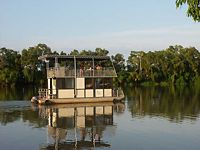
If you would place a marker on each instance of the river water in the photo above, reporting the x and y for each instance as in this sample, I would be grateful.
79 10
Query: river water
150 118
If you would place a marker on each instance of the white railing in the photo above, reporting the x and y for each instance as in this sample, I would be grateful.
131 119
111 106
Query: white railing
118 92
64 72
47 93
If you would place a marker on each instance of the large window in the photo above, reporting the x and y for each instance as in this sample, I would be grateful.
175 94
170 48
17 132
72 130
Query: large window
103 83
89 83
65 83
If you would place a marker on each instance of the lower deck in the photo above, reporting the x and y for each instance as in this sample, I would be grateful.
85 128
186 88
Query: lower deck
76 100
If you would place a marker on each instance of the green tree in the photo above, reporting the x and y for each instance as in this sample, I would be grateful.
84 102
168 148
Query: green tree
10 66
33 69
193 9
119 62
74 52
101 52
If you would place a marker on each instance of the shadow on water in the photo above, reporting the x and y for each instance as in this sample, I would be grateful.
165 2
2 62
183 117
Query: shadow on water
175 103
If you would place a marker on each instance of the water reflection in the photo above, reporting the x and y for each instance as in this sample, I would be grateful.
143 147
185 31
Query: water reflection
13 111
17 93
151 115
165 102
79 126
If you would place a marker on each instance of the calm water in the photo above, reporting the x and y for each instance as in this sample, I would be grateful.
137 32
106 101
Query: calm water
149 119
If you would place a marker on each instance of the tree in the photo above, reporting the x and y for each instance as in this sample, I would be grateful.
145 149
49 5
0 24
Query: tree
119 62
193 8
101 52
74 52
62 53
33 69
10 66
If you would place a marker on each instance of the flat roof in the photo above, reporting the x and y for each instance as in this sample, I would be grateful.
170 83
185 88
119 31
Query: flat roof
79 57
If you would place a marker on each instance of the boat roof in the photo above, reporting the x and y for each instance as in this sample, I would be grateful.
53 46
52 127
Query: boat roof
78 57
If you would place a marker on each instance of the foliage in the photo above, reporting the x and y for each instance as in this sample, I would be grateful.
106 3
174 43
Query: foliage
175 65
33 69
193 8
10 66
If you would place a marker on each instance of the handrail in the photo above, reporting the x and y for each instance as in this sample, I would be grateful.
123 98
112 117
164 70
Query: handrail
64 72
118 92
45 93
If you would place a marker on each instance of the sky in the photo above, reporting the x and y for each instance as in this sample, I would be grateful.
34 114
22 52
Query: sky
119 26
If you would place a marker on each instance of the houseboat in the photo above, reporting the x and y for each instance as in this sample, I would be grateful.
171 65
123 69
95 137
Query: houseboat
78 79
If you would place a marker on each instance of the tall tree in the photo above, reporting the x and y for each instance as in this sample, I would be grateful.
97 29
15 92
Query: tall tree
33 69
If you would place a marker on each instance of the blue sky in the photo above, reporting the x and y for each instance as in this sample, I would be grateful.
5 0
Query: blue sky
116 25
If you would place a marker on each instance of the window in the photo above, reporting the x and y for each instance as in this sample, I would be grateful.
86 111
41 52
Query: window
89 83
99 83
108 83
65 83
103 83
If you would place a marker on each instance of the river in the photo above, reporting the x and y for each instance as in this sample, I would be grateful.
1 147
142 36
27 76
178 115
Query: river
150 118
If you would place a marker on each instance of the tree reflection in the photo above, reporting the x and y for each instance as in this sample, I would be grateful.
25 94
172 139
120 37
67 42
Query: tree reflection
9 115
17 93
174 103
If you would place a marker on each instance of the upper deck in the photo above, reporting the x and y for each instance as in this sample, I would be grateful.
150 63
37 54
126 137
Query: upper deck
63 66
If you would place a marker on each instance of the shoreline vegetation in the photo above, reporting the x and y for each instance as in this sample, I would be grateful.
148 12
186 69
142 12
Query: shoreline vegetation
175 65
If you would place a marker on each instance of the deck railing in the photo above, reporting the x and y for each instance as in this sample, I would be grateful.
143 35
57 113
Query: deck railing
62 72
47 93
118 92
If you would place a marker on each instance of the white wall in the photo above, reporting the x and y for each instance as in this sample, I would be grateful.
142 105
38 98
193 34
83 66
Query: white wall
89 93
99 92
63 93
108 92
80 93
80 83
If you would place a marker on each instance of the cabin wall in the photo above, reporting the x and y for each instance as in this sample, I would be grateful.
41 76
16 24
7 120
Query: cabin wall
66 93
80 93
107 92
99 92
89 93
80 87
80 83
54 86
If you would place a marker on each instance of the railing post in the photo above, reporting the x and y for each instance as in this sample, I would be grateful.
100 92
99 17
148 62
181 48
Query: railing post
75 76
93 65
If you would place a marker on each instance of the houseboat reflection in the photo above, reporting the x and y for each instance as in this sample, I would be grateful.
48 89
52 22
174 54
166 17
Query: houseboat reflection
78 125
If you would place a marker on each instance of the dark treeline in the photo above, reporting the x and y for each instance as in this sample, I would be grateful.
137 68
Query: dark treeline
175 65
